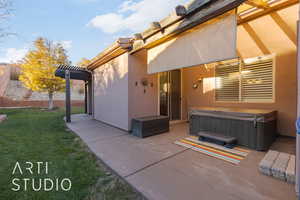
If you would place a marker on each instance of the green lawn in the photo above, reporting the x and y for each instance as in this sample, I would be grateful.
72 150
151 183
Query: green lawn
35 135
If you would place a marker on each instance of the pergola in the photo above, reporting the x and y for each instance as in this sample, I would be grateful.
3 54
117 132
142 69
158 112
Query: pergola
76 73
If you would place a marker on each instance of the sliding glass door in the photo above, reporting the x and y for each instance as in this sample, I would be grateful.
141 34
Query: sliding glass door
170 94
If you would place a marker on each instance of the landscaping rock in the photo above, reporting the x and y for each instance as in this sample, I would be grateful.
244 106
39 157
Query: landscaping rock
2 118
280 165
267 162
290 170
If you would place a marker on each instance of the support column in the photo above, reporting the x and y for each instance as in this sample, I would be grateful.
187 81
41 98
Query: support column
85 98
90 97
68 96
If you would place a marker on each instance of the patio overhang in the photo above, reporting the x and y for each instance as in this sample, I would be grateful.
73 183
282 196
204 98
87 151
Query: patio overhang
76 73
68 72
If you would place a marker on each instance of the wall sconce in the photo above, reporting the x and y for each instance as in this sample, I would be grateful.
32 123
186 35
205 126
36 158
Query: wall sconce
196 83
144 82
195 86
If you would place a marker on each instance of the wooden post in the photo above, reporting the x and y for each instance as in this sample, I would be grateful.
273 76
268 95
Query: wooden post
90 97
68 96
85 97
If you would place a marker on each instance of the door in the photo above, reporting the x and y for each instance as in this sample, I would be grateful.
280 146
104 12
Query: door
170 94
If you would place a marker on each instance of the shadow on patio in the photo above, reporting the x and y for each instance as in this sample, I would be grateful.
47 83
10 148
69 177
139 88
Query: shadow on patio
161 170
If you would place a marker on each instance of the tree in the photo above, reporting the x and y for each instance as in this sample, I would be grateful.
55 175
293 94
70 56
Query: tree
39 65
84 62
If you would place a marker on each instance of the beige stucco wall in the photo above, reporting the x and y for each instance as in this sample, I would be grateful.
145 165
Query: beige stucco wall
285 100
143 100
118 99
111 92
276 42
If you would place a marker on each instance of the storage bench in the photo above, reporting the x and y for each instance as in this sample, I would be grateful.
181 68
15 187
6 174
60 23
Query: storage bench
148 126
253 128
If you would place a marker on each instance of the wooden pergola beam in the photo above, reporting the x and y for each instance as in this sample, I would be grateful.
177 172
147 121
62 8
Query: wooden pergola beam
284 27
257 3
267 11
256 39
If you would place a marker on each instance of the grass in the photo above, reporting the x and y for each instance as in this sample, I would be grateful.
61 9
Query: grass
35 135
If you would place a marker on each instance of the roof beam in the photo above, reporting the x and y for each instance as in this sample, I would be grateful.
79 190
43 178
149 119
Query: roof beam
269 10
256 39
257 3
284 27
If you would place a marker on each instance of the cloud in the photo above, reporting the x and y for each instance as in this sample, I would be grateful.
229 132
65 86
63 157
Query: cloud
134 16
13 55
67 44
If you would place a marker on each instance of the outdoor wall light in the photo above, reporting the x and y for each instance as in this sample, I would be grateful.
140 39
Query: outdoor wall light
144 82
195 86
196 83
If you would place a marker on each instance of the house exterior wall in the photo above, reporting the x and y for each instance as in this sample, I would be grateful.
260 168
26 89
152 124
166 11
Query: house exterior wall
111 92
275 41
143 100
118 99
285 93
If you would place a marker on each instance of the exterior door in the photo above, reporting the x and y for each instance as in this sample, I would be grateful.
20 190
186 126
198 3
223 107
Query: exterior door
170 94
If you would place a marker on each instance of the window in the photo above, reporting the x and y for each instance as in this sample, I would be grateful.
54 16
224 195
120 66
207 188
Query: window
249 81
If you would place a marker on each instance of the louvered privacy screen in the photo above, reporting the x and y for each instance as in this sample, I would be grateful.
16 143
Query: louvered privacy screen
251 81
228 82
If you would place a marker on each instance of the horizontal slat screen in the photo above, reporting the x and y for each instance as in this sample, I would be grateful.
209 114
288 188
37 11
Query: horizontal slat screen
257 81
246 82
227 82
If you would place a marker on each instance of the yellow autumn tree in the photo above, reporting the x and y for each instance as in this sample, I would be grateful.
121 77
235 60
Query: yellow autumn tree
39 65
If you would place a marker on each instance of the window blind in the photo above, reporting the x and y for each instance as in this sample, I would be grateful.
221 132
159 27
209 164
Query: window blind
227 82
248 81
257 81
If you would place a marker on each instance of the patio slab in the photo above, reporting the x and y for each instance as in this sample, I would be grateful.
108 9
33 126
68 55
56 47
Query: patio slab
91 130
161 170
128 154
191 174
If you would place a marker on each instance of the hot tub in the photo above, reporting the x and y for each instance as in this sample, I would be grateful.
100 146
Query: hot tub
253 128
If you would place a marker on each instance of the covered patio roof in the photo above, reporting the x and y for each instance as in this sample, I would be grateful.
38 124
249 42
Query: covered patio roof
77 73
196 13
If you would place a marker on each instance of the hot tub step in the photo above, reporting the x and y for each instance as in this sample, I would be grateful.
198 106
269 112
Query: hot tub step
216 138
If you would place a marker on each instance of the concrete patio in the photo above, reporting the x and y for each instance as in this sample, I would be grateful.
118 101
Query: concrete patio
161 170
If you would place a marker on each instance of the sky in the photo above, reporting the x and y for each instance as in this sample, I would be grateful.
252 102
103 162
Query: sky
84 27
